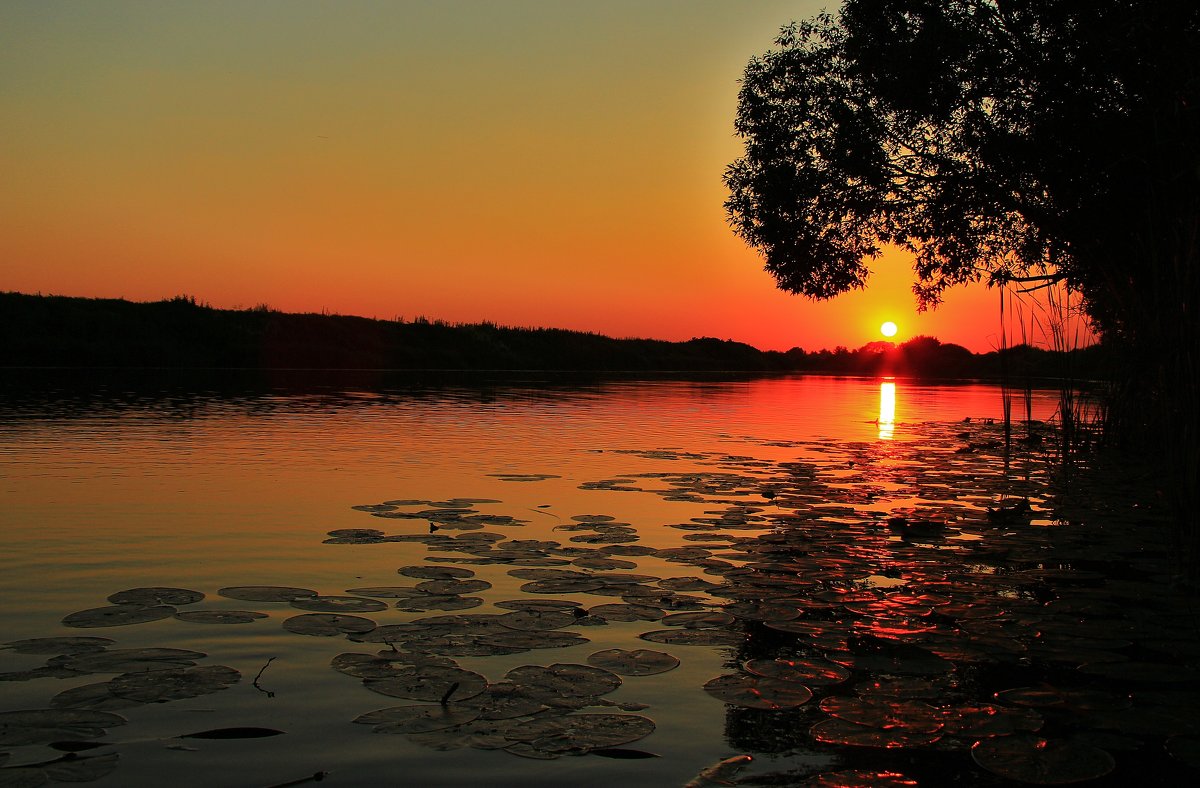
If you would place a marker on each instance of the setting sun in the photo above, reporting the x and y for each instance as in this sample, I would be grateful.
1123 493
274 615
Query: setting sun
888 329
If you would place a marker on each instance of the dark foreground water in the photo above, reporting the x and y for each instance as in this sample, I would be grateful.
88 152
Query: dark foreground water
555 583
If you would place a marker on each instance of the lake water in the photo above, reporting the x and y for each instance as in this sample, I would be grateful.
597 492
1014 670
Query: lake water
187 484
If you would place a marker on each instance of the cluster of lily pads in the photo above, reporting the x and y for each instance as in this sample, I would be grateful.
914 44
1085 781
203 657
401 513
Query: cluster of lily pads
964 630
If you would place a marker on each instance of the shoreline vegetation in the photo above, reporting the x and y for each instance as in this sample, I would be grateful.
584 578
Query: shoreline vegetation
182 333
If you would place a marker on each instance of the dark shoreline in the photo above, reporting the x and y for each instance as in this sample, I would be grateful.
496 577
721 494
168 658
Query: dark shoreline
58 332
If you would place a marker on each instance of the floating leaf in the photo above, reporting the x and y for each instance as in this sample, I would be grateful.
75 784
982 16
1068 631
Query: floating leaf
530 640
694 637
626 612
757 692
266 593
1032 759
59 645
575 732
387 592
638 662
430 683
22 777
117 616
219 616
418 719
91 696
155 595
453 586
37 726
130 660
439 602
698 620
908 715
860 778
990 720
813 672
435 572
479 734
567 680
327 624
838 731
160 686
339 604
81 769
538 604
537 621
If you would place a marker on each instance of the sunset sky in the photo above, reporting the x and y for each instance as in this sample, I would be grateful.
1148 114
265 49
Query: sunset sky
527 162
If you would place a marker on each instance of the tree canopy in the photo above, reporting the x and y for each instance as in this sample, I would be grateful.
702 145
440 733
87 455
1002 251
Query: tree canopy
1004 140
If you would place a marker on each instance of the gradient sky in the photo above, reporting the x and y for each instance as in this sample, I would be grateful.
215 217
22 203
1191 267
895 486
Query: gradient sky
529 162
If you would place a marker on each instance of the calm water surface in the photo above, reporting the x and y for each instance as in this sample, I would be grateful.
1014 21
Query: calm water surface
198 488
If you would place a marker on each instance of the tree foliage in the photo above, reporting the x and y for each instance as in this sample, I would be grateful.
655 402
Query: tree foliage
993 139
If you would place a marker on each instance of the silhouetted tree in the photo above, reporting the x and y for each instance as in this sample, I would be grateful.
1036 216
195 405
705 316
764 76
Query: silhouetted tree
1028 141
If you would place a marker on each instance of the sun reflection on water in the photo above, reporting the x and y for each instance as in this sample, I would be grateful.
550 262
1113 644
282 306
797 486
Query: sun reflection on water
887 410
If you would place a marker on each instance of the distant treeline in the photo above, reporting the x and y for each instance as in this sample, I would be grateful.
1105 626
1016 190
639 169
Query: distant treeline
58 331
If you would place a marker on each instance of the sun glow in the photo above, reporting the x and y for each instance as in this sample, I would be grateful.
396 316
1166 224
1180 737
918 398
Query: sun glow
887 410
888 329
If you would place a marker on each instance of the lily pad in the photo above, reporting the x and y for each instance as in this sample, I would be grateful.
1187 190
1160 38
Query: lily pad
339 604
699 620
117 616
160 686
1032 759
130 660
59 645
757 692
638 662
38 726
82 769
860 778
844 732
266 593
530 640
441 684
435 572
439 602
566 680
327 624
813 672
219 616
92 696
156 595
694 637
582 732
418 719
908 715
538 604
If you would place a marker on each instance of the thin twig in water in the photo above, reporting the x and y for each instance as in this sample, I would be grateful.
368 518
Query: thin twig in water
446 698
261 670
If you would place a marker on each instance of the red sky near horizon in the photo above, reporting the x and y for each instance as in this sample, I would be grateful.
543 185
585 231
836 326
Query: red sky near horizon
531 163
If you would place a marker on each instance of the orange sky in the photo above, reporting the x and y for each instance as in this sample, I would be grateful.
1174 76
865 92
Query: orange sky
541 163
